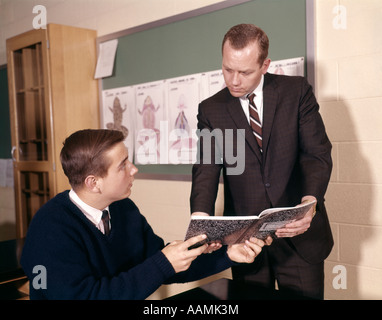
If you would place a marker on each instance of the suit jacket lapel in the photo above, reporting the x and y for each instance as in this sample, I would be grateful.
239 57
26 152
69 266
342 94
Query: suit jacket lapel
236 112
270 97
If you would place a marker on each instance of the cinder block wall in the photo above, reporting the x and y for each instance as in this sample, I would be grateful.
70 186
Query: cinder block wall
349 90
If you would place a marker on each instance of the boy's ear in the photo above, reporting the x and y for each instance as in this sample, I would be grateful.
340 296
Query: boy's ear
91 183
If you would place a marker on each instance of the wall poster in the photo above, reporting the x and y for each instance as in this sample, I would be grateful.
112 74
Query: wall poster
159 119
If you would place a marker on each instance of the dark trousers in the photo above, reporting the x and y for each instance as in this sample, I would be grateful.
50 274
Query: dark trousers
280 262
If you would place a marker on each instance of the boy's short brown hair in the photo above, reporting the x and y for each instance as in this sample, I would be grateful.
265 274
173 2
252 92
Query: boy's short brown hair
83 154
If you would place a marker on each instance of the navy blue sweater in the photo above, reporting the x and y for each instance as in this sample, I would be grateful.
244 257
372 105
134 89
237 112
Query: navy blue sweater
82 263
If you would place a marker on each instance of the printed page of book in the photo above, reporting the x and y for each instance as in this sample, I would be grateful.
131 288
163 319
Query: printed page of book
237 229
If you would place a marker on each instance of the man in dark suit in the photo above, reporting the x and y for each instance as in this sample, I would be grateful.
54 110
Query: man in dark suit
287 161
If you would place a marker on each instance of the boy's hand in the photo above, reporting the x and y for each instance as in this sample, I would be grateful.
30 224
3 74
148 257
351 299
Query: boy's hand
180 256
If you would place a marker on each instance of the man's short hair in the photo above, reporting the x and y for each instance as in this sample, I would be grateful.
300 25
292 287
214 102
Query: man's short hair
241 35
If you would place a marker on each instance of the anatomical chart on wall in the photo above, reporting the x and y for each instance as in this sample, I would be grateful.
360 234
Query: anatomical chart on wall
119 112
215 82
183 101
289 67
150 112
159 118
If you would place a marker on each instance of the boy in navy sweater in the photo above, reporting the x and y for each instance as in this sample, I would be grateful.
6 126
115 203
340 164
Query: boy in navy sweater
88 254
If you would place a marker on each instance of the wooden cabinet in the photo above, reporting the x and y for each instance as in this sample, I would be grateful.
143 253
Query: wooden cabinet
52 93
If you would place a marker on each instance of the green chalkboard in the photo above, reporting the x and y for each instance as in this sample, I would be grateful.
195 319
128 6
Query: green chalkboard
193 45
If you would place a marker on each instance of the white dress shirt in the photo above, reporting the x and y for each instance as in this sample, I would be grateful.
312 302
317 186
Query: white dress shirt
93 214
258 101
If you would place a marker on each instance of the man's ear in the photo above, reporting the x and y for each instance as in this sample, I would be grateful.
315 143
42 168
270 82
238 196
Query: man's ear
265 66
91 183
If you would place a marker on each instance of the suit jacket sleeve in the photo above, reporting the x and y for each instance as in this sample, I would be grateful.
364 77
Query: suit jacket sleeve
315 148
206 171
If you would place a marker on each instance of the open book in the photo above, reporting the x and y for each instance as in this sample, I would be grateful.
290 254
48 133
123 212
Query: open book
236 229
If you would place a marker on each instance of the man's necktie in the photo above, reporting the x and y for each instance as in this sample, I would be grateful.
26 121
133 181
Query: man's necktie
254 120
106 221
